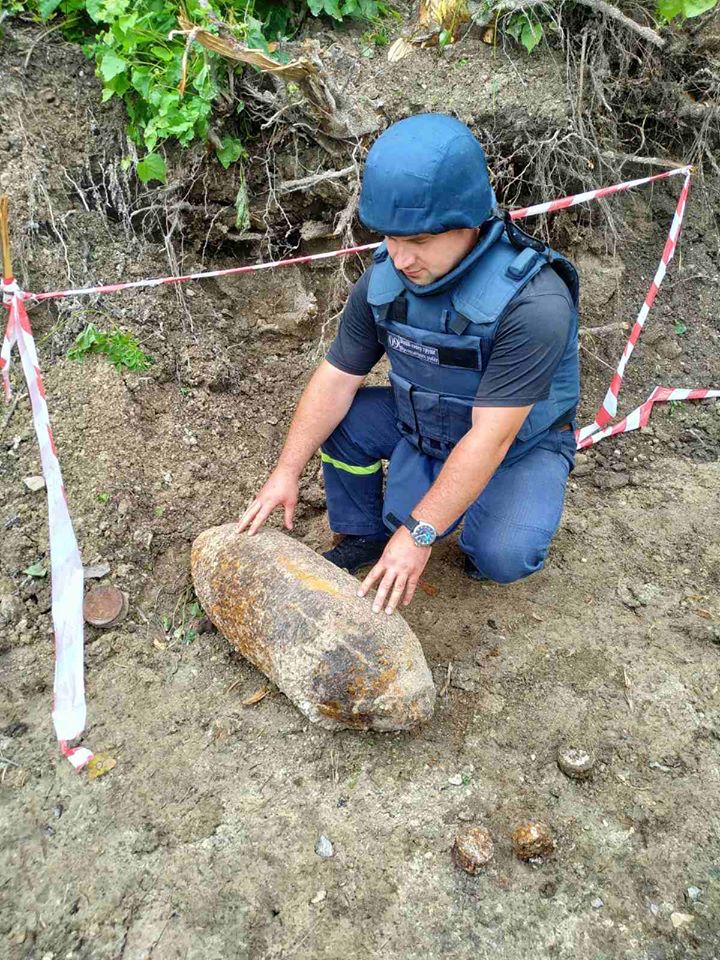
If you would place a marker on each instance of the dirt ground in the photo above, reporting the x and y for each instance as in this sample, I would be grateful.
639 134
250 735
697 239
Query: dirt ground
200 844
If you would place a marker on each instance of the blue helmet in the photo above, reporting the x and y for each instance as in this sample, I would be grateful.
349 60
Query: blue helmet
425 174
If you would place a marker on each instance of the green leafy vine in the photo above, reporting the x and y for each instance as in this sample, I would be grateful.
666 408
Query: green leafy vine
168 92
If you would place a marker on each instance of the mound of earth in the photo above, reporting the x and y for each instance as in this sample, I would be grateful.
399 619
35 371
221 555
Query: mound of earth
201 842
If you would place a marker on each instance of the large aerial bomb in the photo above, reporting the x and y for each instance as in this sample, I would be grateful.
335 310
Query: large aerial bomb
298 619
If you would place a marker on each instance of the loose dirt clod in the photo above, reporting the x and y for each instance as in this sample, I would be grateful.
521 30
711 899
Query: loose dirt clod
472 849
96 571
532 839
678 919
297 618
34 483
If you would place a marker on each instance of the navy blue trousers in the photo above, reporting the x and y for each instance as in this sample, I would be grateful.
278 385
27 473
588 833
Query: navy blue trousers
506 531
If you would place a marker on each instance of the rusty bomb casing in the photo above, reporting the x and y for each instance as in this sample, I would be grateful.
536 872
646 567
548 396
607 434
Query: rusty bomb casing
298 619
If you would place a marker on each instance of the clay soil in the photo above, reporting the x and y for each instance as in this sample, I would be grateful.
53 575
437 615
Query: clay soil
200 843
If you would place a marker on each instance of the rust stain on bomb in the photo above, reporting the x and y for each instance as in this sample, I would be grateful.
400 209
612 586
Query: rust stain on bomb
297 618
335 711
231 617
309 579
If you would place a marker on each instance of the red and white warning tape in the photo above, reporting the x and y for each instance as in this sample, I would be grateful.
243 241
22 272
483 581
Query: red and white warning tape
164 281
539 208
564 202
66 566
640 416
608 408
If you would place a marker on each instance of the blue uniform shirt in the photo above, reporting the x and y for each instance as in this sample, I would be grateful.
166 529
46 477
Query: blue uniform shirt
529 342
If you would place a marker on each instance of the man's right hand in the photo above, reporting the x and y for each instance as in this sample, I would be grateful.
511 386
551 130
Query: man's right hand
280 490
325 401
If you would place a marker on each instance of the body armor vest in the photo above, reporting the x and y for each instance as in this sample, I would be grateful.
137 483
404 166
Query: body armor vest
438 340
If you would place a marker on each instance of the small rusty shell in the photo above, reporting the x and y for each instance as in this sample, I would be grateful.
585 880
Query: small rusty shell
532 839
575 762
472 849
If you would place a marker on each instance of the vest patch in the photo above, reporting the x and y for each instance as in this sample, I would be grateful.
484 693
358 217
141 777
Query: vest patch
417 350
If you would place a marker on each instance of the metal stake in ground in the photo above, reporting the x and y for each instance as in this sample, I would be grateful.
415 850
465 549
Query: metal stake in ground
5 238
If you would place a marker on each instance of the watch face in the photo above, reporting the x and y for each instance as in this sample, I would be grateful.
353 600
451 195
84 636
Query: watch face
424 534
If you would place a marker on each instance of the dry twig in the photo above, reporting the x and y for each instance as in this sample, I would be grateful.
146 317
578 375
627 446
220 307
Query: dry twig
446 683
290 186
608 10
605 328
11 411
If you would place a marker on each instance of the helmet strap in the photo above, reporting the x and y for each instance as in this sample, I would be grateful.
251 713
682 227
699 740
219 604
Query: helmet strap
518 237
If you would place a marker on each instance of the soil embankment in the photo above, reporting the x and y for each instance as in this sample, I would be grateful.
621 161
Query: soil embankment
201 842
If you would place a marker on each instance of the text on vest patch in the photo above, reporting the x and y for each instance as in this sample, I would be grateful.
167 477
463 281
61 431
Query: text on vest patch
417 350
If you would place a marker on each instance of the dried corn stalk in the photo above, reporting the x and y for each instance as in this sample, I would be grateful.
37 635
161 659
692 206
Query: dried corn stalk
435 18
228 46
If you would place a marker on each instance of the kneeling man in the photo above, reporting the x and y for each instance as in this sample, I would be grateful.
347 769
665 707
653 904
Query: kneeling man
479 323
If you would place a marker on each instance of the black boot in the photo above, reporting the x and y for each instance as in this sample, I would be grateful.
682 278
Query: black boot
353 553
471 571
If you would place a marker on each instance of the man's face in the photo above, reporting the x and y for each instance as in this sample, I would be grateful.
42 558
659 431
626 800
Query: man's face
426 257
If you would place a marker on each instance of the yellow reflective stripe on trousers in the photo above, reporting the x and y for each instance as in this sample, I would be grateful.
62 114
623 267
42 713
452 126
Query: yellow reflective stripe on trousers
349 468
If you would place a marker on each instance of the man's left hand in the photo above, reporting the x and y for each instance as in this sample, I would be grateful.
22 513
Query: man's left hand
397 572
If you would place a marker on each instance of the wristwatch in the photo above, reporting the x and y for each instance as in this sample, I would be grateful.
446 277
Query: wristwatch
424 534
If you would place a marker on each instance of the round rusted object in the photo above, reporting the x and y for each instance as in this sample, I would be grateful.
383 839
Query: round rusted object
532 839
472 850
102 605
575 762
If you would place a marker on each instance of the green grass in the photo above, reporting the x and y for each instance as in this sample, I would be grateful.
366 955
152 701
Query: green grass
121 349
